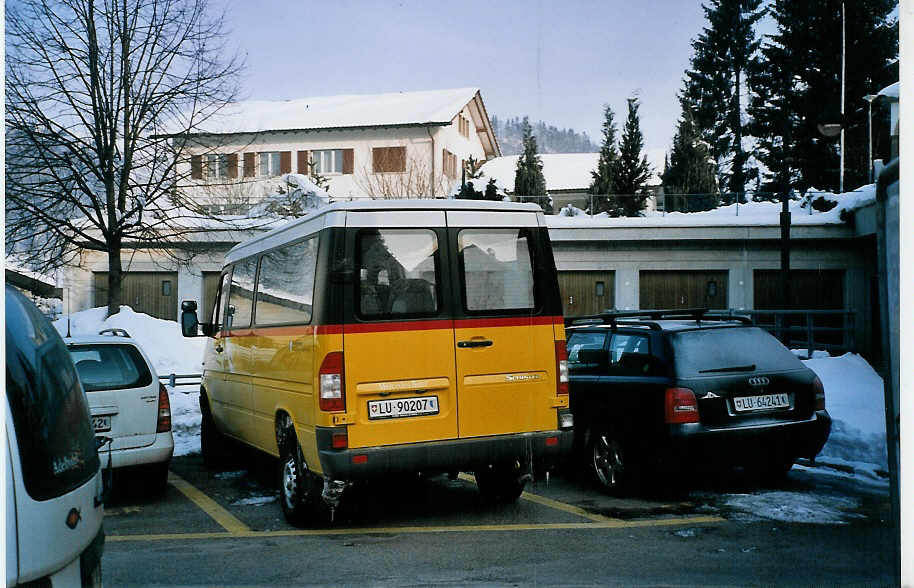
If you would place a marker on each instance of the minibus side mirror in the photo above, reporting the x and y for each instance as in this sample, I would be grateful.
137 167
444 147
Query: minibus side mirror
189 320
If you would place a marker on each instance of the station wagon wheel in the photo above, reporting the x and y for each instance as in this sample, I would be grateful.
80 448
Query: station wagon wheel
609 462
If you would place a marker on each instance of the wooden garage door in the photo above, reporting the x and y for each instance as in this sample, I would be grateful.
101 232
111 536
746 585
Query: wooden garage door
818 289
586 293
210 285
683 289
153 293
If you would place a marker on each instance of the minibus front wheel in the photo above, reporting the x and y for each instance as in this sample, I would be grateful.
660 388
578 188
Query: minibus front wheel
299 489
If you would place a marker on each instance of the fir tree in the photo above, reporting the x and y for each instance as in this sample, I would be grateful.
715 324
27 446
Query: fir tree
689 175
714 83
607 164
798 79
528 176
633 170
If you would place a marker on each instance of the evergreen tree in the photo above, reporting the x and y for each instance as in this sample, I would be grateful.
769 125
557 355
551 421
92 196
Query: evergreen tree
607 164
798 79
714 83
633 170
528 176
689 175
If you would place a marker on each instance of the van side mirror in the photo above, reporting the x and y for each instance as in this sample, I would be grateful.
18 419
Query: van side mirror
189 320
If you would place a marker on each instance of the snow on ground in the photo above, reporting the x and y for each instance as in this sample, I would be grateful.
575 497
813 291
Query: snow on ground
855 452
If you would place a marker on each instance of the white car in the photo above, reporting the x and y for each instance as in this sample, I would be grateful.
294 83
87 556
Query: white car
126 402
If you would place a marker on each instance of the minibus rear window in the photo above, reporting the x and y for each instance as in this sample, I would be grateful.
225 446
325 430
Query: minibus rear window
497 269
49 409
398 273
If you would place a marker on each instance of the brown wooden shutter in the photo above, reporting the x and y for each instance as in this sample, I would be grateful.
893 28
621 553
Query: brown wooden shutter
444 162
303 167
348 161
399 159
249 164
285 162
232 164
196 167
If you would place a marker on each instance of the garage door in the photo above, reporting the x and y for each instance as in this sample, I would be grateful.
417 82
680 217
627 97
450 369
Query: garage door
153 293
683 289
586 293
818 289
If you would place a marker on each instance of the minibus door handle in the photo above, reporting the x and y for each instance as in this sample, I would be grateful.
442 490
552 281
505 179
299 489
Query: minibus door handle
474 343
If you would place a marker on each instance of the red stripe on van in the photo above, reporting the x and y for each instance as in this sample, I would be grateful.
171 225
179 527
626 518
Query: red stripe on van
398 326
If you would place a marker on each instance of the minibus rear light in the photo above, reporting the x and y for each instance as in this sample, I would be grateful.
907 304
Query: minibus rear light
340 440
163 422
359 459
561 368
552 441
332 387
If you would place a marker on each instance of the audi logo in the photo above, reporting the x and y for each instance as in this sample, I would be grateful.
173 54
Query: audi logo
759 381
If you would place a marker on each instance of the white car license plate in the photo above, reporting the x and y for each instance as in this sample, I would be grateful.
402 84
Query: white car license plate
763 402
402 407
101 423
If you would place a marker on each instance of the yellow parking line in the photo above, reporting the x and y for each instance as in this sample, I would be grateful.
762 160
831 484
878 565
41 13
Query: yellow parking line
608 524
225 519
562 506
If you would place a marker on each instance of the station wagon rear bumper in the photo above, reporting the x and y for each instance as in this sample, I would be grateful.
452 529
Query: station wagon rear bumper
697 446
440 456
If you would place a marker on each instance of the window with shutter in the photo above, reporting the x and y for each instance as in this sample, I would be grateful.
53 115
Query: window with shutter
388 159
249 163
196 167
232 165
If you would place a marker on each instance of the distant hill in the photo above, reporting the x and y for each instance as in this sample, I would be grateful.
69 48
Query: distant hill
549 139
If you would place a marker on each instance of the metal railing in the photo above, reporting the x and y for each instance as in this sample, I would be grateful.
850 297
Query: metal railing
176 380
804 329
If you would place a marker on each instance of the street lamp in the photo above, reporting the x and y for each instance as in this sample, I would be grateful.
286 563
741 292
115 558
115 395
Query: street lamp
869 128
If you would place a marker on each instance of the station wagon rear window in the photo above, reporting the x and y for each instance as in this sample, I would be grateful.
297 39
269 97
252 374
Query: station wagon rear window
398 273
110 367
497 266
729 350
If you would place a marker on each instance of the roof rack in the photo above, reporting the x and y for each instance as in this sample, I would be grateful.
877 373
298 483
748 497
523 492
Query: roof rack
613 317
114 332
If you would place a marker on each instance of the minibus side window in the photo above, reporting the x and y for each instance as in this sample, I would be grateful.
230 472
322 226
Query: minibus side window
241 294
497 266
219 302
398 273
285 288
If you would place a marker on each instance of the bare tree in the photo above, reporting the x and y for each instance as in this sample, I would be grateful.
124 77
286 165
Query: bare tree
415 181
102 100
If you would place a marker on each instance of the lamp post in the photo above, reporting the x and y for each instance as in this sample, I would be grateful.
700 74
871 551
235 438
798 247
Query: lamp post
843 29
869 129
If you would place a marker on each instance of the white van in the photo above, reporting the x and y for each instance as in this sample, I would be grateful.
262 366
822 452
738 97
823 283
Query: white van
54 488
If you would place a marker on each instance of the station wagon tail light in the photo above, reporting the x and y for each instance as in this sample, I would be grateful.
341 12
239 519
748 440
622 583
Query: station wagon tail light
561 364
164 423
681 406
819 390
333 392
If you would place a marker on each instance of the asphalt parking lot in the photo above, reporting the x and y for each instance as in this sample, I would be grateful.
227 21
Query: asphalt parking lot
227 528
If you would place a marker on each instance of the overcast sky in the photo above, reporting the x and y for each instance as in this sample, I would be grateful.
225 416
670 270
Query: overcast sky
555 61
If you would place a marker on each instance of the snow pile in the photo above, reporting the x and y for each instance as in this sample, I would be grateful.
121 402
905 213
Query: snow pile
855 400
794 507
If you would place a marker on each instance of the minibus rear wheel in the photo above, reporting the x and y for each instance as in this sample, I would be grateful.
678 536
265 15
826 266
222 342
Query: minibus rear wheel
299 489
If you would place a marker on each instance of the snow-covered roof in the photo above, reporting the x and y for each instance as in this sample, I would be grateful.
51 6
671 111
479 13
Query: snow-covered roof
431 107
563 171
890 91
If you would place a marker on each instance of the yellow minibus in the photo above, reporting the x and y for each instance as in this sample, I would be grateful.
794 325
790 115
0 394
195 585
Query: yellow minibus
389 336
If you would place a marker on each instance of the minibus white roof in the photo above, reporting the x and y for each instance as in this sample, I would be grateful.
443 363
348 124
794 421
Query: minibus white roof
334 215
